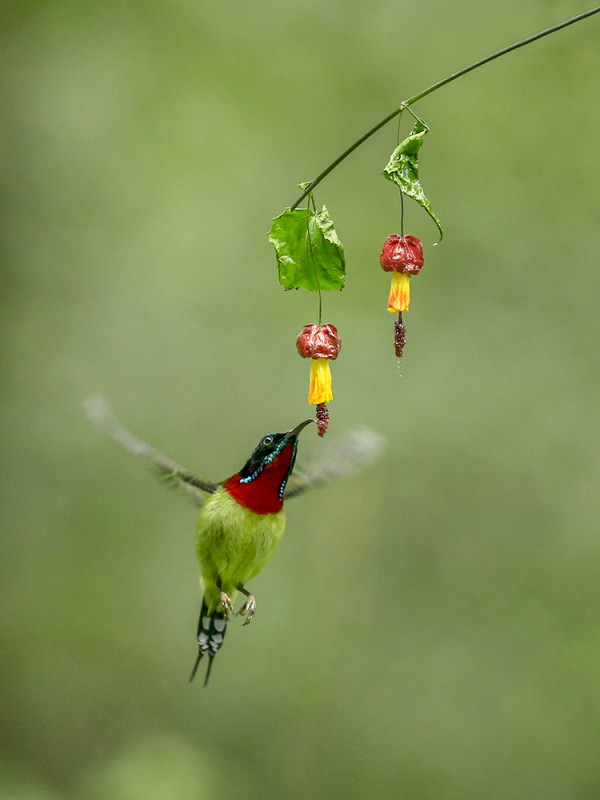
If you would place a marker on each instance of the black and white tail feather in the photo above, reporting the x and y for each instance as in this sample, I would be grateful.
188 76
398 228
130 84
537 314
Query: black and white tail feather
211 633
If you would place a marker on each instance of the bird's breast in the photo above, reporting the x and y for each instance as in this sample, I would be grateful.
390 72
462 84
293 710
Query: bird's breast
234 543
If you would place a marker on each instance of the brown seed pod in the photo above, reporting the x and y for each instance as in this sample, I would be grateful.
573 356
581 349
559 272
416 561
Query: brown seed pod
322 418
399 338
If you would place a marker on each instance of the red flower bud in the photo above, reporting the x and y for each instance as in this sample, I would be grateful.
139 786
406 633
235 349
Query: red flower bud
319 341
402 254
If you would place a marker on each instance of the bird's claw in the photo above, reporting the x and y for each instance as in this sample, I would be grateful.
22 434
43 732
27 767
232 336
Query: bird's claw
248 609
226 604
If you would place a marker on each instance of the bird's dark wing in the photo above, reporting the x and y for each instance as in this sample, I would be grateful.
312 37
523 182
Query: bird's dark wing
341 458
100 413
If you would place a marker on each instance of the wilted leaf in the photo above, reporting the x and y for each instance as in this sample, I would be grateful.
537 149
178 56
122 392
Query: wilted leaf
403 170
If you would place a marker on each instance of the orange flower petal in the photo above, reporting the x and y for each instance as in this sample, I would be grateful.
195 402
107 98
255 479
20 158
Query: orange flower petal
399 299
320 381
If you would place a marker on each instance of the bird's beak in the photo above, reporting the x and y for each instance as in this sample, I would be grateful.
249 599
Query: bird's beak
295 432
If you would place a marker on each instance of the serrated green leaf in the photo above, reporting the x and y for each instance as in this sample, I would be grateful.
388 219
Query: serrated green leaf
403 170
309 252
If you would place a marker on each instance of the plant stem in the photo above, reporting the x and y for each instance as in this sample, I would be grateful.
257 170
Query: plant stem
433 88
311 202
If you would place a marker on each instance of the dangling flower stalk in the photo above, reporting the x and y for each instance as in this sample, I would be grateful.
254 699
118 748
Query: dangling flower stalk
403 257
321 343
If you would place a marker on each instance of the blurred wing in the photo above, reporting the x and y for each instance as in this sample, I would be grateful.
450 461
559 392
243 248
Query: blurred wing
341 458
100 413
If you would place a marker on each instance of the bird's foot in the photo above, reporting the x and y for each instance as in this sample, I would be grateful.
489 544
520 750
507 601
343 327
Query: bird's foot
248 609
226 604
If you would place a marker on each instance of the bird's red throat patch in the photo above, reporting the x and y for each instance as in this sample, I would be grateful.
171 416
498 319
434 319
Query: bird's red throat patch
262 494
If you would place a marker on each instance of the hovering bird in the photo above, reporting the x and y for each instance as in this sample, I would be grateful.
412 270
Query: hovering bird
242 518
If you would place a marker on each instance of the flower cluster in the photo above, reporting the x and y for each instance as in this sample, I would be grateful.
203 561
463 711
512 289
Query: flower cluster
321 343
403 257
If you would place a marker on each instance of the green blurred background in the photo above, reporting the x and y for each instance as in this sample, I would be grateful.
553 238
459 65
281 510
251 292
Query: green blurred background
430 630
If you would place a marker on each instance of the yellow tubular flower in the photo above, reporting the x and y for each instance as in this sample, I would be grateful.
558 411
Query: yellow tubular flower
320 381
399 299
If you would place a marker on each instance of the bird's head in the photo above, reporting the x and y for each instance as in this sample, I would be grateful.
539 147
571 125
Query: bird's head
272 448
261 482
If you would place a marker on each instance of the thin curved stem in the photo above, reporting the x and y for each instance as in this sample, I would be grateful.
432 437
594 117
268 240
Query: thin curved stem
434 86
310 203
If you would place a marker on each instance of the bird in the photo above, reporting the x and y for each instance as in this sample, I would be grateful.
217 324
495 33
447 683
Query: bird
239 527
242 518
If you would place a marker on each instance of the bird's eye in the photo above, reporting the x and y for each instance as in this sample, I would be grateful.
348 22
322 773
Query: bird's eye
268 440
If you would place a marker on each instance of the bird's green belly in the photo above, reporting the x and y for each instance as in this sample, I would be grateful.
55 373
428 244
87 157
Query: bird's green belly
233 544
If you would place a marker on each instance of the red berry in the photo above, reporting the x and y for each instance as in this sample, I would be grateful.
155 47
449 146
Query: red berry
402 254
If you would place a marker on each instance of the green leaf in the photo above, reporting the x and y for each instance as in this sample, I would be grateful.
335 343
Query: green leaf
309 252
403 170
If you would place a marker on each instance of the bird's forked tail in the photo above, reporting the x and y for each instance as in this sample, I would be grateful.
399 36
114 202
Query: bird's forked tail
211 632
